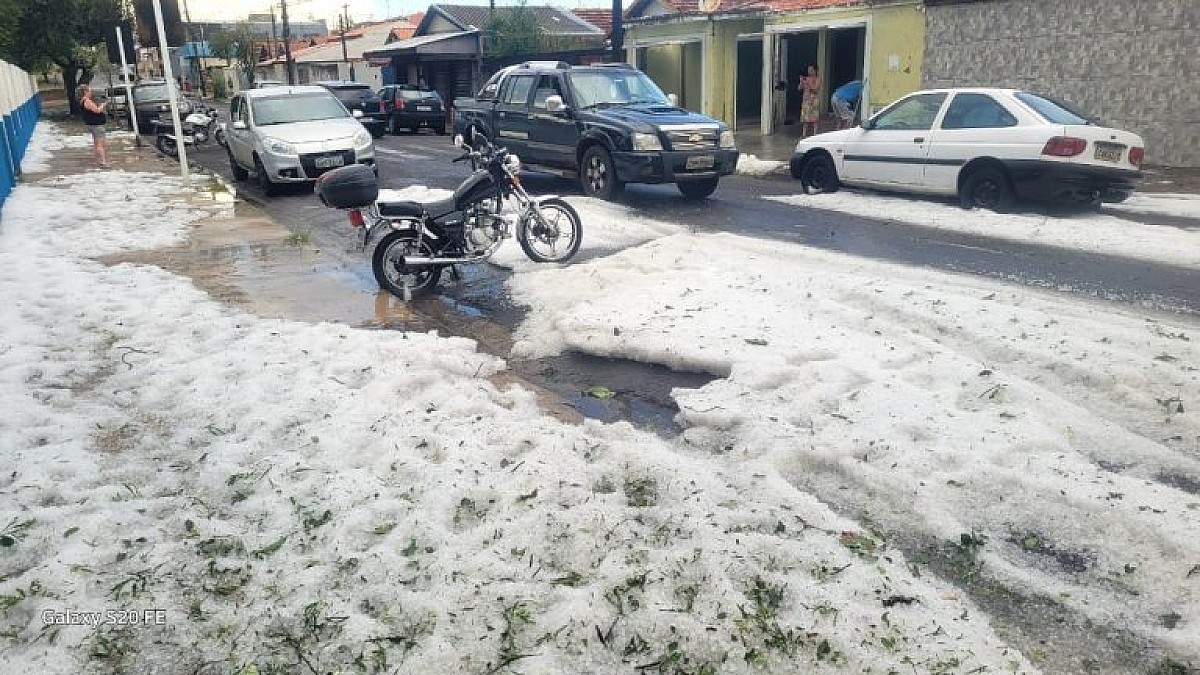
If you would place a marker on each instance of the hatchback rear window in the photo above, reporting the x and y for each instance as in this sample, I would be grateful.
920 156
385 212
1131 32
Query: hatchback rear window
1054 112
354 94
414 95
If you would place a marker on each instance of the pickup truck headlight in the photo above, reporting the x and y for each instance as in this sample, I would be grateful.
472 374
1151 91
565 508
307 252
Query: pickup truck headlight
278 147
362 139
644 142
727 139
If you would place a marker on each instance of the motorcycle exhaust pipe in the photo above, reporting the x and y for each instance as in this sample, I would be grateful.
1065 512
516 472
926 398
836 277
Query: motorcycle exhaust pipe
421 261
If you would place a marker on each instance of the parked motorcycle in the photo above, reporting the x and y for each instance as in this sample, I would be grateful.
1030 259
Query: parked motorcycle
197 127
423 238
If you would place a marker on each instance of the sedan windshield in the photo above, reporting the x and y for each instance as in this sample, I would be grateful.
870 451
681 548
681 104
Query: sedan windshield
153 92
296 108
1054 112
615 87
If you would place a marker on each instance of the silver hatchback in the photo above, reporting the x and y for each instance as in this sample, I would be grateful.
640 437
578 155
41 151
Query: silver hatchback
292 135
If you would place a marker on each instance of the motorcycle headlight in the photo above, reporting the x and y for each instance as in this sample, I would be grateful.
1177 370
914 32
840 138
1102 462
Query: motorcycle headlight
727 139
513 163
279 147
362 138
643 142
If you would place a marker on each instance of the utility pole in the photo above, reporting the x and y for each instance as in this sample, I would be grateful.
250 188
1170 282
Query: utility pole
618 33
345 27
287 47
342 25
274 40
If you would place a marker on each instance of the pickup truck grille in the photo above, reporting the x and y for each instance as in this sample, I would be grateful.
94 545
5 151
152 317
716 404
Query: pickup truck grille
693 139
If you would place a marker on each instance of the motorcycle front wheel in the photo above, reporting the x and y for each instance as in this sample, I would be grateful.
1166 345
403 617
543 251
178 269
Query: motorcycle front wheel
167 146
219 136
555 236
400 280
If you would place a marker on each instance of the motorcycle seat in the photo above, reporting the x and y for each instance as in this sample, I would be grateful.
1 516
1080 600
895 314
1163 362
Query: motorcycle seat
416 209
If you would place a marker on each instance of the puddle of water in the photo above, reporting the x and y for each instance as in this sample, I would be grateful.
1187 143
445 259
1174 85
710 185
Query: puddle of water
642 391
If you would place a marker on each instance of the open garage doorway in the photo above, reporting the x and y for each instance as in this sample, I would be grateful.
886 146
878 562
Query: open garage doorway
677 68
748 107
840 55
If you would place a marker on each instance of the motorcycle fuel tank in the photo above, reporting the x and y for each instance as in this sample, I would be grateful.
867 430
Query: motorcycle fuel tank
477 187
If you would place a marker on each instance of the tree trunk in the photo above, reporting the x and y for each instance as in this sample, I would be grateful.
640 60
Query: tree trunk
70 74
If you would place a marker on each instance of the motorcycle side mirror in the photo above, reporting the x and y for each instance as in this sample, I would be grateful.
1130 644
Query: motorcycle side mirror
240 125
673 99
555 104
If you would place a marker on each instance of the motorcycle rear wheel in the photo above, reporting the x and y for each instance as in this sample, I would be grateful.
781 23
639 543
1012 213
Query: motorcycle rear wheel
167 146
396 278
555 241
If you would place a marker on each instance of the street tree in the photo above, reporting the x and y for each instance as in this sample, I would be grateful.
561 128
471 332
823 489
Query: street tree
236 46
515 30
67 33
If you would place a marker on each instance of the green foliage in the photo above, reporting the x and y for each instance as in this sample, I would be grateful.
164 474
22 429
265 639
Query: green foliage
237 47
35 34
515 30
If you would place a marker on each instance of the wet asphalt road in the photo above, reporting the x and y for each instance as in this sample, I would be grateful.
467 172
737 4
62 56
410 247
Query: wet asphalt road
424 159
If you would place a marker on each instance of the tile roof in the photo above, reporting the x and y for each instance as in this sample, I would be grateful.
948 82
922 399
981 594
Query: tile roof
359 40
600 18
552 20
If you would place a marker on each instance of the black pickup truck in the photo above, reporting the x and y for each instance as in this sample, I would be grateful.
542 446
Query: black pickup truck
607 124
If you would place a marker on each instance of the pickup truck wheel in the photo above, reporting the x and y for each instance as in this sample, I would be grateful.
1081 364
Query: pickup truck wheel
698 189
597 175
440 130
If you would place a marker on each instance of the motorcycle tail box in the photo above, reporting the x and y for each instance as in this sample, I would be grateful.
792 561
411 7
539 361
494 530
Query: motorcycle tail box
350 187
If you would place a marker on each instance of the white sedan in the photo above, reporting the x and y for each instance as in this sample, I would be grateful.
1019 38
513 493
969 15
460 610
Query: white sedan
988 146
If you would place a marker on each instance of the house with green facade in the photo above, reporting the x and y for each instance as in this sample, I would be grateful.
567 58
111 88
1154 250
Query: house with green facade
741 60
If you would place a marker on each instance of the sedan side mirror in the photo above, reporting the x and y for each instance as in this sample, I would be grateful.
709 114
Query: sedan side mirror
356 113
555 104
673 99
240 125
868 125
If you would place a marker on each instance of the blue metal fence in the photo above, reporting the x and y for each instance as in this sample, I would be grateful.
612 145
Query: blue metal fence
20 106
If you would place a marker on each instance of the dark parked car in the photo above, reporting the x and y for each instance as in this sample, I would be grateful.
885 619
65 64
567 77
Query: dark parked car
408 106
359 96
151 100
607 124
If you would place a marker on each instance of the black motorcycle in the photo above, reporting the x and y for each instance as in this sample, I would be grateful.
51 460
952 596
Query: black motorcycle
423 238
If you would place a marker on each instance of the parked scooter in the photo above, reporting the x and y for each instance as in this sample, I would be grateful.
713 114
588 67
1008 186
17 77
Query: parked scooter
423 238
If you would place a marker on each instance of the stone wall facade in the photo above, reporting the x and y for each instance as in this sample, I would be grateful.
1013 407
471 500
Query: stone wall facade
1134 64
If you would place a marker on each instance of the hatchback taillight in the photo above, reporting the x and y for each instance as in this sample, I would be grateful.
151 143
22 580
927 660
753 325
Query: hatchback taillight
400 104
1136 155
1064 146
356 218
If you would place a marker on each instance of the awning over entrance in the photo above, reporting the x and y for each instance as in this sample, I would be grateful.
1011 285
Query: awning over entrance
463 44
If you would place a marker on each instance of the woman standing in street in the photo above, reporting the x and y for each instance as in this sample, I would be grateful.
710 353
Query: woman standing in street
810 103
95 119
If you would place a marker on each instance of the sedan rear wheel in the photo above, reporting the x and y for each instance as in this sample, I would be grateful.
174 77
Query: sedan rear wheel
986 188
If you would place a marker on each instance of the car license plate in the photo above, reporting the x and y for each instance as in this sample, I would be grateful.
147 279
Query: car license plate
700 162
329 162
424 108
1109 152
